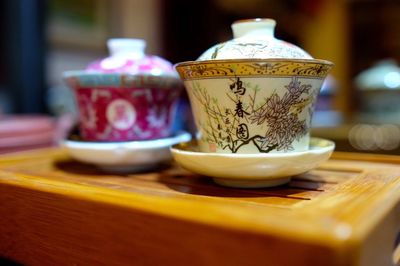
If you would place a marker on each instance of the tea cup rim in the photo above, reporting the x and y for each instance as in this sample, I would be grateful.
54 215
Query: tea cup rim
255 60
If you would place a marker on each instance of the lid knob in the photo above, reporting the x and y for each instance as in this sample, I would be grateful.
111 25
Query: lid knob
254 28
134 48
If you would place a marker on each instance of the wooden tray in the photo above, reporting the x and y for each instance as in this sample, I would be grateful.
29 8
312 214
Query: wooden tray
55 211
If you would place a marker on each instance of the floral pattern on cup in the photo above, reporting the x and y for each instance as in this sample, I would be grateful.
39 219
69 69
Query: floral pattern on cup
126 96
231 124
123 114
254 93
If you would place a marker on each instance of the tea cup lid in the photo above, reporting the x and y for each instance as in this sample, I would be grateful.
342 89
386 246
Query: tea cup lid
127 56
254 38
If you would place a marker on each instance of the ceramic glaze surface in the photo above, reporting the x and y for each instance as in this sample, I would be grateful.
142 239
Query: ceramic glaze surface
253 115
253 94
254 39
116 114
126 96
123 156
253 106
252 170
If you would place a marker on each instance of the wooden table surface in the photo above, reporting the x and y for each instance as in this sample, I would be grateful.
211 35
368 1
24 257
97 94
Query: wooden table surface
55 211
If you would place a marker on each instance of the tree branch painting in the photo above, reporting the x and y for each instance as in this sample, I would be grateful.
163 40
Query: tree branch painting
228 126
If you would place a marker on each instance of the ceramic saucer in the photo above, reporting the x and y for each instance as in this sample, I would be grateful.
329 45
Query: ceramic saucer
252 170
123 156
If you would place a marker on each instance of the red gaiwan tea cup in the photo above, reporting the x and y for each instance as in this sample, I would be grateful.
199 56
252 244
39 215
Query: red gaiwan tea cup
127 96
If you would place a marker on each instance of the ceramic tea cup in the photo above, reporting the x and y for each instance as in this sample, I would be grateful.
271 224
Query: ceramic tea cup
255 93
127 96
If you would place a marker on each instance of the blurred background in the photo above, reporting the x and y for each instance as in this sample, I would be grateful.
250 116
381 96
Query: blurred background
359 105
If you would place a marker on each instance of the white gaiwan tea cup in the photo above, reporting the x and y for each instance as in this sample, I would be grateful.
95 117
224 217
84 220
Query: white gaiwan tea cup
254 93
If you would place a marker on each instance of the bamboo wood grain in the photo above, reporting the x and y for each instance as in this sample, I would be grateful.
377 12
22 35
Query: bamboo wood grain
55 211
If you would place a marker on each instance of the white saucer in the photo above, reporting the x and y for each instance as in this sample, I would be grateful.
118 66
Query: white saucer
124 156
252 170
